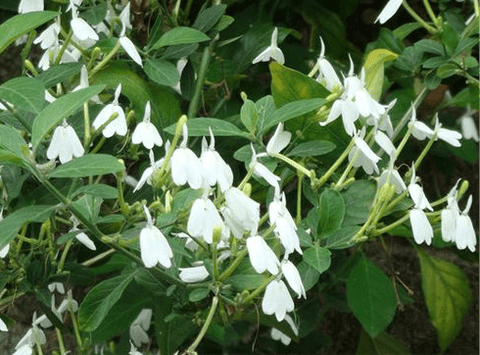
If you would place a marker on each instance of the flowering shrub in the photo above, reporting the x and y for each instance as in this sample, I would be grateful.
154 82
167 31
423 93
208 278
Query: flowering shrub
168 229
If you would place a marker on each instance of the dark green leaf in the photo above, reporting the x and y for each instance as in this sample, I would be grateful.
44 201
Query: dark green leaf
58 73
312 149
209 17
404 30
249 115
24 93
447 70
100 190
382 344
371 297
332 211
198 127
358 199
308 274
341 238
161 71
88 165
198 294
318 258
179 51
95 14
180 35
430 46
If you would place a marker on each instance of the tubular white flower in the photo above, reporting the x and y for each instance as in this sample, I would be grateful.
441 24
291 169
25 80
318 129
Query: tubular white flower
193 274
262 171
68 303
244 211
349 112
185 165
154 247
146 132
203 218
279 140
417 194
388 11
147 174
125 16
365 157
277 300
49 37
385 143
393 177
271 51
468 126
58 286
326 73
278 335
464 230
30 6
138 329
64 144
422 230
261 256
119 124
450 215
85 240
129 47
214 167
293 278
285 228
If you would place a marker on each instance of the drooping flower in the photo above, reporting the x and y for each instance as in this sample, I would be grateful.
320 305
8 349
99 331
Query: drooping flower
261 256
146 132
203 218
279 140
421 131
58 286
468 126
388 11
464 230
154 247
417 194
326 74
30 6
363 154
147 174
271 51
138 329
285 228
129 47
193 274
422 230
242 210
49 37
262 171
278 335
133 350
385 143
81 29
68 304
64 144
185 165
293 278
450 215
34 336
84 84
393 177
214 167
117 125
277 300
3 326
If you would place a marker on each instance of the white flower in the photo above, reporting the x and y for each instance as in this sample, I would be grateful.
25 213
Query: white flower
421 131
185 165
68 304
271 51
81 29
129 47
3 326
4 251
285 227
469 128
25 349
193 274
388 11
49 37
56 286
261 256
214 167
417 194
393 177
71 55
64 144
242 209
464 230
125 16
117 125
450 215
84 84
293 278
326 74
133 350
279 140
363 155
34 336
277 300
422 230
147 174
85 240
203 218
146 132
154 247
385 143
262 171
30 6
349 112
138 329
278 335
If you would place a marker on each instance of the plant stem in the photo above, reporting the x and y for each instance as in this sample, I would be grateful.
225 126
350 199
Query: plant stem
60 341
98 257
75 328
104 60
226 274
207 55
64 255
63 48
16 115
408 114
86 119
258 290
298 218
431 14
430 29
206 325
294 164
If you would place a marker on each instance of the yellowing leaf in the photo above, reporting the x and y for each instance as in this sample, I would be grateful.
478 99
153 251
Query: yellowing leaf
374 66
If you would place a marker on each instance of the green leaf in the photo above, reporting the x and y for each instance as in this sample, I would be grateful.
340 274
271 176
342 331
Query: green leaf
18 25
448 69
198 294
100 190
332 211
24 93
447 295
430 46
184 199
198 127
161 71
100 300
312 149
371 297
432 80
180 51
318 258
95 14
290 85
88 165
404 30
374 70
180 35
89 207
265 107
291 110
449 38
249 115
383 344
59 110
12 141
58 73
207 18
10 225
341 238
358 200
309 275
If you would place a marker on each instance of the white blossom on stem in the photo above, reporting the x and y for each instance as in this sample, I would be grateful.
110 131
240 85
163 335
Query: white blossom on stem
193 274
277 300
185 165
468 126
30 6
261 255
291 274
119 124
138 329
49 37
363 155
271 51
285 228
129 47
214 167
244 211
146 132
147 174
388 11
326 74
278 335
262 171
464 230
279 140
81 29
417 194
203 218
422 230
64 144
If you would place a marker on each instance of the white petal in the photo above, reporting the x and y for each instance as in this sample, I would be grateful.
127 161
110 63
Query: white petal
154 247
385 143
293 278
85 240
75 144
3 326
450 136
30 6
261 256
422 230
193 274
131 50
418 197
389 10
448 225
82 30
279 140
4 251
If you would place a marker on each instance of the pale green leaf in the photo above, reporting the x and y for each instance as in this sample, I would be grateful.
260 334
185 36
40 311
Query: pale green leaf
447 295
312 149
198 127
332 211
318 258
382 344
100 190
374 70
162 72
180 35
24 93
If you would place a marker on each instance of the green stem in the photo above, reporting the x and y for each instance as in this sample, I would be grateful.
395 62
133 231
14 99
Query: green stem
258 290
226 274
298 218
60 342
476 8
207 55
99 145
391 226
121 199
86 119
7 301
63 48
105 60
99 257
75 328
16 115
64 255
425 151
406 117
430 29
431 14
206 325
39 348
294 164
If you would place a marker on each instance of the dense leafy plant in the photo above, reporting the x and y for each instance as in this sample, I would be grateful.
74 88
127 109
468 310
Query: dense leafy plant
260 190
